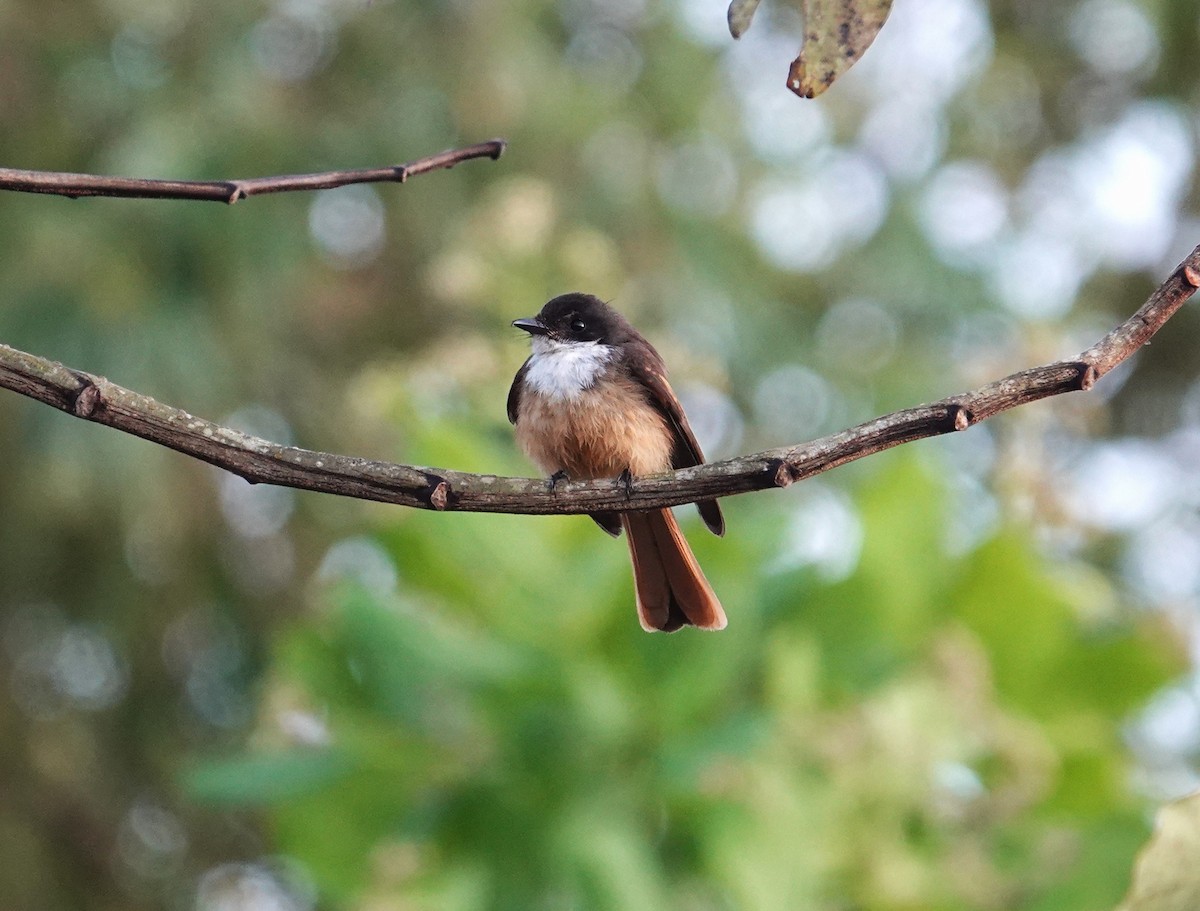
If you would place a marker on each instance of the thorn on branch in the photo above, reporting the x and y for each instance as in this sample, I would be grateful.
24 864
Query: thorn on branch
86 399
439 496
785 473
1088 377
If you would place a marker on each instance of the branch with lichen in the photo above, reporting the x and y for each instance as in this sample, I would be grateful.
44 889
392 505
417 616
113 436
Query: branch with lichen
58 183
260 461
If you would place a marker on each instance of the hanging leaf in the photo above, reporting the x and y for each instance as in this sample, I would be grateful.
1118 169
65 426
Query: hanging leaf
1167 875
836 34
741 13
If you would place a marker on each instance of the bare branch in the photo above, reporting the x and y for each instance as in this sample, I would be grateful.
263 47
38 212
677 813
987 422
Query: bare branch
230 191
260 461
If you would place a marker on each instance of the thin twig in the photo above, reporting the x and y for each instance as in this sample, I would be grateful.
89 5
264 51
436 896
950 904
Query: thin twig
230 191
260 461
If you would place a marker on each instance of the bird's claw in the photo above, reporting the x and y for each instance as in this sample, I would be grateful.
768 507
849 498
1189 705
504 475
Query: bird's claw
625 481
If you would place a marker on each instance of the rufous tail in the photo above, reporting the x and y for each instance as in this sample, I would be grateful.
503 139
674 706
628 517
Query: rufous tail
670 586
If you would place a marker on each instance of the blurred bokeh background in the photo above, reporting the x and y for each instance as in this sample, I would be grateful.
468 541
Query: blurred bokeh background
957 675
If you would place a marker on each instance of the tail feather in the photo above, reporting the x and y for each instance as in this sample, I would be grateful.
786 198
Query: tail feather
670 586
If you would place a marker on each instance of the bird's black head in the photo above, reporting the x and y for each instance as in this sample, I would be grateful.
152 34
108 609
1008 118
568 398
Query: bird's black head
577 317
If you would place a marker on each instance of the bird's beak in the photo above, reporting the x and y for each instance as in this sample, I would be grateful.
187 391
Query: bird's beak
532 325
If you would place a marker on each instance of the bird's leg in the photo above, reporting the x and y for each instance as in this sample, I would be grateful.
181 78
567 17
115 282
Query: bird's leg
552 481
625 481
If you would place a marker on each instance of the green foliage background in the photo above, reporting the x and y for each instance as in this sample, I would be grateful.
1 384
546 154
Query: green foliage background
223 697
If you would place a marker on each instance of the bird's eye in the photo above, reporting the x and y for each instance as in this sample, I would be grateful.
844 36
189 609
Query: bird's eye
578 325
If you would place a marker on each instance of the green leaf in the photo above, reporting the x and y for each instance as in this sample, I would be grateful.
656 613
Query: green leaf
870 623
266 779
1047 656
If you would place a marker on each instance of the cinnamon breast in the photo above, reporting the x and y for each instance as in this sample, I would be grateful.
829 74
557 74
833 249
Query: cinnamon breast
597 433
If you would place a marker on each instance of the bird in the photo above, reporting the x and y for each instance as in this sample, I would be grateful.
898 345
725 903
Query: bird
592 401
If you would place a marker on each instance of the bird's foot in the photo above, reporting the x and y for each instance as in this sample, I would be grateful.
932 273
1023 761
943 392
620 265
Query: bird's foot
625 481
552 481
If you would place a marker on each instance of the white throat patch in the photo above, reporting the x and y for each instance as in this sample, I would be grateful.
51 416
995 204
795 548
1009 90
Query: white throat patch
563 370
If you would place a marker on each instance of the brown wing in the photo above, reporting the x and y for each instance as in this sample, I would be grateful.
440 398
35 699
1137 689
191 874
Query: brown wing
651 373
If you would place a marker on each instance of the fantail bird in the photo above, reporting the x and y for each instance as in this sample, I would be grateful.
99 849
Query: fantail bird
593 401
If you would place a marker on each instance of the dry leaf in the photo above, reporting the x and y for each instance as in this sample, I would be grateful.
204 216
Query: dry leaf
836 33
741 12
1166 876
